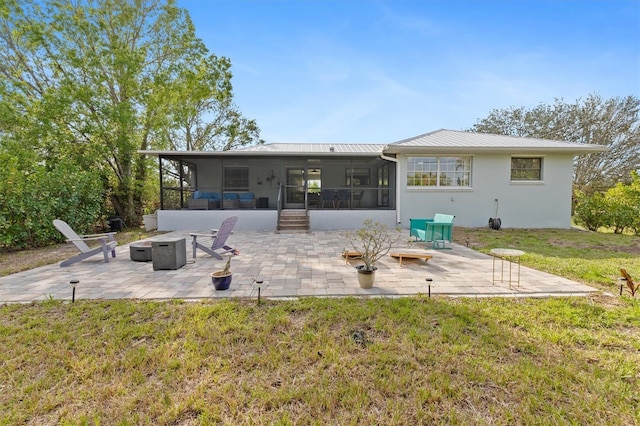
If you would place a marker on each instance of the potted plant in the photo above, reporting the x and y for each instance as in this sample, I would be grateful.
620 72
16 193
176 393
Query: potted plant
222 279
373 241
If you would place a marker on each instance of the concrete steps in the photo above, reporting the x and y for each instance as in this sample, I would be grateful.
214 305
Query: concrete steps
293 220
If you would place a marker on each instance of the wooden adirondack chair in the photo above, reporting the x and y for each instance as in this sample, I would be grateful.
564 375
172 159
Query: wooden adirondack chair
218 239
107 243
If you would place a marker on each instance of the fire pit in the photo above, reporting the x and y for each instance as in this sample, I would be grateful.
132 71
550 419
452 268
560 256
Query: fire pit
140 251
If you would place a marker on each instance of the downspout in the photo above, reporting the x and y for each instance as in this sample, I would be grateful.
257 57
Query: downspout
397 191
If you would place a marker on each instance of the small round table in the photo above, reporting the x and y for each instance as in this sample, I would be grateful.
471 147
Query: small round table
510 255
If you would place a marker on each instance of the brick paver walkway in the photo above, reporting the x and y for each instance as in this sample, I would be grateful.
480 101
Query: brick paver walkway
289 265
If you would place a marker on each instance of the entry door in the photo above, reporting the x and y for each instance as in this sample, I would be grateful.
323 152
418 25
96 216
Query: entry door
295 189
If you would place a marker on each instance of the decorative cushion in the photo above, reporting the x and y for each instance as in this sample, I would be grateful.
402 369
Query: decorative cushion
212 196
230 196
246 196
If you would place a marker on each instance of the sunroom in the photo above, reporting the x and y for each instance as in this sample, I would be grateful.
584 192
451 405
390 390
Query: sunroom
261 182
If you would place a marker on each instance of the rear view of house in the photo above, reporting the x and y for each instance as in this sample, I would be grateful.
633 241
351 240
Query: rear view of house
526 182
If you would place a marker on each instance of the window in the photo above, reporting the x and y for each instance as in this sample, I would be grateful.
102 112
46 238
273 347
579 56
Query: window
236 178
526 168
439 172
359 177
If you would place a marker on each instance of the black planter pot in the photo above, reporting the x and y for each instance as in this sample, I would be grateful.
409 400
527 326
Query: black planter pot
221 282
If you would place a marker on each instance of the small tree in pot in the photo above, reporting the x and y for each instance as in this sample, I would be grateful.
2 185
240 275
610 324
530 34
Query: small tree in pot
222 279
373 241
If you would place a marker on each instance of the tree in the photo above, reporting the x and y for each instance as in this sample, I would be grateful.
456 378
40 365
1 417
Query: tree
613 122
202 115
98 80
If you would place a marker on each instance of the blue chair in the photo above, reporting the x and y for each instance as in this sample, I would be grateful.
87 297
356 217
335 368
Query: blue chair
328 196
344 196
437 229
231 200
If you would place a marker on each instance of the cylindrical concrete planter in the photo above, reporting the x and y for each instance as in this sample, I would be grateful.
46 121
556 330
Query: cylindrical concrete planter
366 278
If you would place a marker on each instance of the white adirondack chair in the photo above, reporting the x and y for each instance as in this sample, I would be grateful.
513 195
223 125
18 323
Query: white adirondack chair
107 243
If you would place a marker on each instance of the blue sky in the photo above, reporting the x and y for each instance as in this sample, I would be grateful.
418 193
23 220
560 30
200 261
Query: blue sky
358 71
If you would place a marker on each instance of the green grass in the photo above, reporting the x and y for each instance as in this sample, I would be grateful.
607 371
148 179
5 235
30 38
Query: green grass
322 361
590 257
350 361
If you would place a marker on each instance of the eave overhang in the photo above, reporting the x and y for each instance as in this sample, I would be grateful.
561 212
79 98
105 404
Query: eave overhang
470 150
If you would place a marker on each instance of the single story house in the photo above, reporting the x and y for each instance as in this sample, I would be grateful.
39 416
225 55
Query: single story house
526 182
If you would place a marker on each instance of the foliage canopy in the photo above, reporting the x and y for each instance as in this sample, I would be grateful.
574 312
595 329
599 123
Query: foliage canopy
92 82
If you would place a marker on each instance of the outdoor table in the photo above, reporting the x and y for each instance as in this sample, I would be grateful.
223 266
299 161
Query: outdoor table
411 255
350 254
169 253
509 255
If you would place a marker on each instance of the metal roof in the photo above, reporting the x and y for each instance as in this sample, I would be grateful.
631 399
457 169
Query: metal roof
458 141
437 142
317 148
284 149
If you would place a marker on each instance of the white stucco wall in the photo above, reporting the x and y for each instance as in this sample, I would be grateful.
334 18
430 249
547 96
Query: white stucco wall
266 220
202 220
545 204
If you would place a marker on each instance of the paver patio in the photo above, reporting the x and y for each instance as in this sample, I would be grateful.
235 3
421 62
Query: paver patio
289 265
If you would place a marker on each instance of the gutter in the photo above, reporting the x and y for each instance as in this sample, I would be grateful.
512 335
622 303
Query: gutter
394 160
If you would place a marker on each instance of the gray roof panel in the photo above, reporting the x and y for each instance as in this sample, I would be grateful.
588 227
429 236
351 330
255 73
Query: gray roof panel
316 148
458 140
437 142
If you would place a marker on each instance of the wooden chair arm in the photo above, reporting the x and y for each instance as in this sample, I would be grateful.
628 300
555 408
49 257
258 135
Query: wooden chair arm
106 234
104 237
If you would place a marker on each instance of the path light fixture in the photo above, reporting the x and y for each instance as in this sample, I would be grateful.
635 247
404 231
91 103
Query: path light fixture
259 282
429 280
623 283
73 284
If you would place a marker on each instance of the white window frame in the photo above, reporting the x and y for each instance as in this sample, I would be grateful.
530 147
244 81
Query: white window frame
527 157
439 168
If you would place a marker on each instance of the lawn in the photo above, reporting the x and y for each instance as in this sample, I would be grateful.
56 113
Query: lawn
340 361
593 258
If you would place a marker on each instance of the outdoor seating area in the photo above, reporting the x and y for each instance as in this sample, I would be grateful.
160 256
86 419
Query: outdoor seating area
203 200
288 265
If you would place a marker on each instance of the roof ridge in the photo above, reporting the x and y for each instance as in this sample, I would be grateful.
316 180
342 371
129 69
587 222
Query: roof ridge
415 137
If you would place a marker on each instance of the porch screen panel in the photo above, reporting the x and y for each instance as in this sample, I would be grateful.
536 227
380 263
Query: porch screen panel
176 184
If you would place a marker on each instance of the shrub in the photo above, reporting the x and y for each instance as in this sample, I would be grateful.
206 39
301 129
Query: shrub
32 195
618 208
590 211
